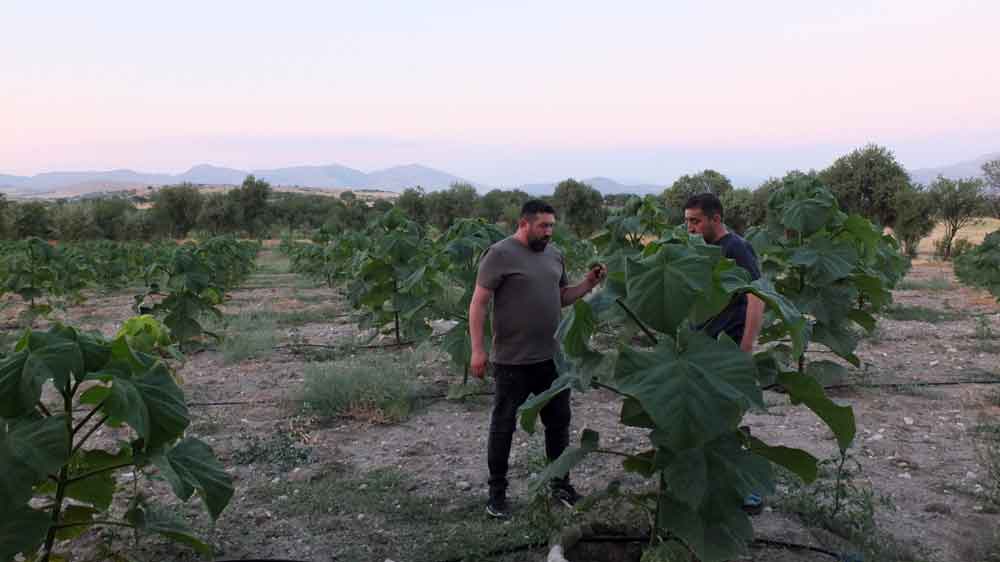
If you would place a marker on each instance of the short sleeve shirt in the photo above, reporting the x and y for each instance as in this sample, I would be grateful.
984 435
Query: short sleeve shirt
732 319
527 300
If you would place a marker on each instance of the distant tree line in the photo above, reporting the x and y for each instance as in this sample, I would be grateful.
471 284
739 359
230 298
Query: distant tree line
868 181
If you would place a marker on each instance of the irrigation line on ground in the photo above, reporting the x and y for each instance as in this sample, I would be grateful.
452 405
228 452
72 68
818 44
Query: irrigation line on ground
645 539
442 396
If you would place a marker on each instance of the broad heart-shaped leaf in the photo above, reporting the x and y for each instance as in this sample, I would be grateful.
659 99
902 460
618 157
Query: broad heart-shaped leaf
30 450
98 489
152 404
191 466
19 391
52 355
829 304
576 328
793 323
694 391
571 457
663 287
863 319
800 462
808 215
873 289
839 338
688 473
806 390
79 516
154 519
634 415
22 530
168 414
727 278
826 260
715 528
532 407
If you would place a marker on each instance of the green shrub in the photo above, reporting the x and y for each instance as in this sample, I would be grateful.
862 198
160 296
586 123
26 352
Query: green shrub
980 267
374 388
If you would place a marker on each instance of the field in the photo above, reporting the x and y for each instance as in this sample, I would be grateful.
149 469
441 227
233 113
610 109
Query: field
361 485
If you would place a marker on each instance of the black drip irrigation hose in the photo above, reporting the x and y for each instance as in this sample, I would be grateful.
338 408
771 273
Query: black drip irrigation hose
768 387
628 539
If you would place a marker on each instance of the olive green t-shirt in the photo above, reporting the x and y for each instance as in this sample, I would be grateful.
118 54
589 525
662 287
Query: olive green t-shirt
527 300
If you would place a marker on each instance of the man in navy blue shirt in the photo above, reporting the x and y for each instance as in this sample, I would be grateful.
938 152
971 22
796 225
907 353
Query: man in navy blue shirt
741 319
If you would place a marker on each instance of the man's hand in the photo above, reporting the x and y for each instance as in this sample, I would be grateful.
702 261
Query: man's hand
597 273
478 365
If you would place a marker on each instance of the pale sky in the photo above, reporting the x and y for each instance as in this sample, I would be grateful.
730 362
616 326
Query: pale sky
501 93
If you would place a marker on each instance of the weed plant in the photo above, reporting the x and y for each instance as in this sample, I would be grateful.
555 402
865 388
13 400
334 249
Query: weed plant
249 334
933 284
922 314
374 388
842 503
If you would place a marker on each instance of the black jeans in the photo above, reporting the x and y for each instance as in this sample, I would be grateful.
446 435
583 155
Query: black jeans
513 385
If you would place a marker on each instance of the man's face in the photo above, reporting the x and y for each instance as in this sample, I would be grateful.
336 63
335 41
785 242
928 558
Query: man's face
539 230
698 223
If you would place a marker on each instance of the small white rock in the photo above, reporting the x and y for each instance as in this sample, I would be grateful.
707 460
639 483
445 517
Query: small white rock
908 421
906 476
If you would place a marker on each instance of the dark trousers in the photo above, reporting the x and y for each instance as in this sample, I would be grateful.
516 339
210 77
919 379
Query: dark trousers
513 385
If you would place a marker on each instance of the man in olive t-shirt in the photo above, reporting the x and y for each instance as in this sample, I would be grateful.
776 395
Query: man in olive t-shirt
526 280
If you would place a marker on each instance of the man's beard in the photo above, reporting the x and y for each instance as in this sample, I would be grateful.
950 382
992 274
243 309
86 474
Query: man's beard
538 244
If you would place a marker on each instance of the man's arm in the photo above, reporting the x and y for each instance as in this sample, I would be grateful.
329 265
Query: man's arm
751 327
569 295
478 307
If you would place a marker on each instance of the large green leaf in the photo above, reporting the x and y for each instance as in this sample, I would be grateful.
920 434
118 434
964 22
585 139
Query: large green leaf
840 339
793 323
22 530
703 501
825 260
79 517
532 407
808 215
807 390
168 414
98 489
694 391
798 461
30 450
634 415
191 466
727 278
121 401
663 287
570 457
19 391
576 328
153 519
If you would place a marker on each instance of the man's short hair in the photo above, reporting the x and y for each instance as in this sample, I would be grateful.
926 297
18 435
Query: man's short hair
707 202
534 207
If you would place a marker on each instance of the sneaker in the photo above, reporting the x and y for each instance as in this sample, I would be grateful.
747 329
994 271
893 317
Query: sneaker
565 493
753 504
497 507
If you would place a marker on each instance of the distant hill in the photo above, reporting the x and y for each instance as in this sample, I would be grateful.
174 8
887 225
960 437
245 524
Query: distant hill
411 175
965 169
212 175
604 185
332 176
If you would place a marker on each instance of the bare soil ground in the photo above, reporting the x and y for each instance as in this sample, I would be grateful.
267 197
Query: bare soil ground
344 489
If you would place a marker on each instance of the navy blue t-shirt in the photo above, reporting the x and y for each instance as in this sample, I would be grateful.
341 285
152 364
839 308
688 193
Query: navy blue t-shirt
733 318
